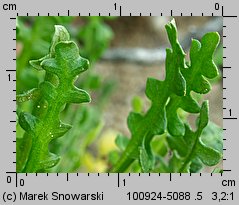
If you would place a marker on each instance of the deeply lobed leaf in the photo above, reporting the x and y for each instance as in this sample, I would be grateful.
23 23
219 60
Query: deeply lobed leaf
62 65
190 146
167 97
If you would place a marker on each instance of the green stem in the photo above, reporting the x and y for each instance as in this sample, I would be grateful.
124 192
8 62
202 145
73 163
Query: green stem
131 151
192 152
42 136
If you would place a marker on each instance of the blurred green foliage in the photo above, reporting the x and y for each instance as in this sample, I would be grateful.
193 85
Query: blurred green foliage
95 36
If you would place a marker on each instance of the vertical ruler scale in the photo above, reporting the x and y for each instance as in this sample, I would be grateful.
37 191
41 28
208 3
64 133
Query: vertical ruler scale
230 100
118 188
9 66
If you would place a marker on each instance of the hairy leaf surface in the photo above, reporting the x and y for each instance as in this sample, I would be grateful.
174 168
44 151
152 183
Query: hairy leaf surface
62 65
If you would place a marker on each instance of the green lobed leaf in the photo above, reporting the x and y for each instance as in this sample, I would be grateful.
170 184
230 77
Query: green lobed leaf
168 96
207 155
202 65
50 161
28 122
36 40
190 146
61 34
64 63
60 130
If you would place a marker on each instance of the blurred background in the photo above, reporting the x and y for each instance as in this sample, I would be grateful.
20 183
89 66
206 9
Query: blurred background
123 53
